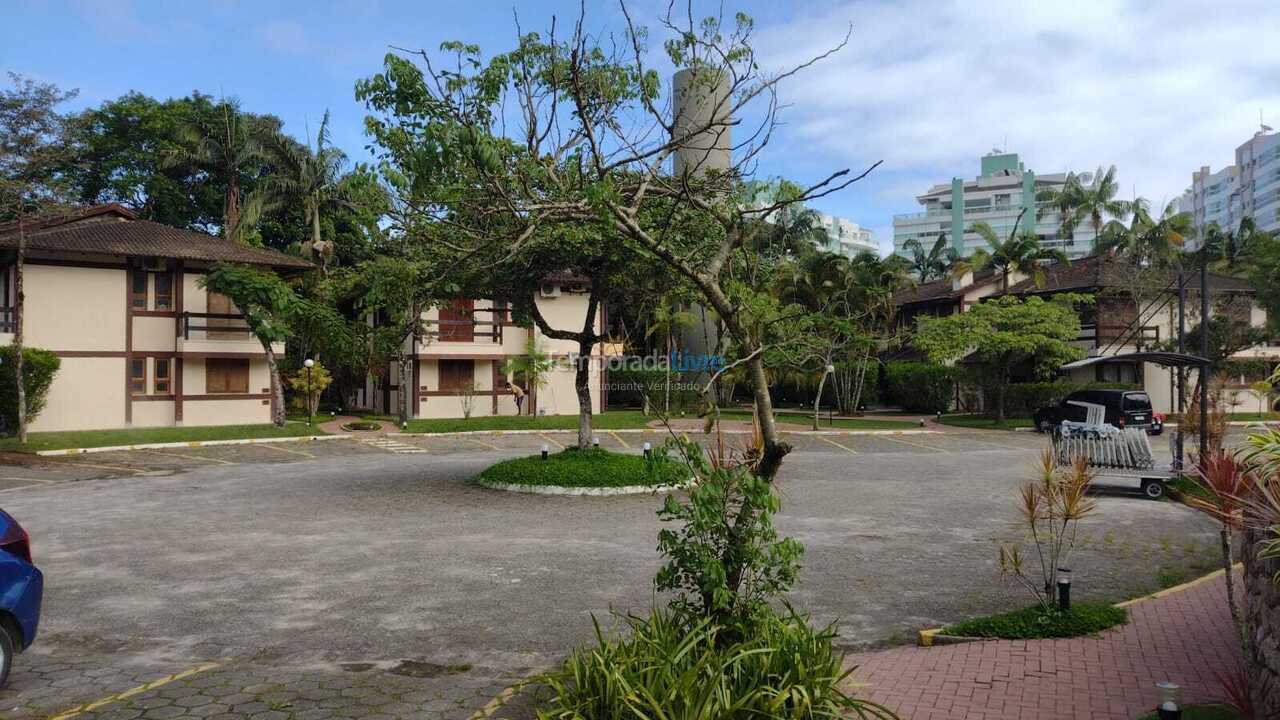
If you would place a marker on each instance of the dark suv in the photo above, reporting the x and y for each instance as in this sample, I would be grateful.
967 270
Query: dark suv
1125 408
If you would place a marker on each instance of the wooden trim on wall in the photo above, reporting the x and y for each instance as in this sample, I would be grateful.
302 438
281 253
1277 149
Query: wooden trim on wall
155 313
179 280
153 398
229 396
128 343
465 356
223 355
454 393
90 353
77 264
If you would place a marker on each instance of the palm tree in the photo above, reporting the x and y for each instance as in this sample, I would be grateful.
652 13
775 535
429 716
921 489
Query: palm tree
312 176
1147 239
668 318
1061 202
1020 252
1096 201
935 263
226 150
1235 249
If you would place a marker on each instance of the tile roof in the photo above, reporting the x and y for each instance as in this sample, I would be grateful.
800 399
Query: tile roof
113 230
941 289
1100 272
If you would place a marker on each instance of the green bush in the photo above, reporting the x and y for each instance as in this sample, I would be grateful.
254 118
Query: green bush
1035 622
669 667
587 468
1023 399
920 387
38 370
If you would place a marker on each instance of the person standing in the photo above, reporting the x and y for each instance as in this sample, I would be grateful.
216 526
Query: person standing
518 392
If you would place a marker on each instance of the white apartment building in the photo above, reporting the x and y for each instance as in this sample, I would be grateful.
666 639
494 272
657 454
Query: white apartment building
1004 191
1249 188
847 237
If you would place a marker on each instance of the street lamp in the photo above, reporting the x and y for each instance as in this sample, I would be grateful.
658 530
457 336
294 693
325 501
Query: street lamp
311 410
1064 589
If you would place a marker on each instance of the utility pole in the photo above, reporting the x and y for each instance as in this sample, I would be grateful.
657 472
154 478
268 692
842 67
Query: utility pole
1204 348
1182 371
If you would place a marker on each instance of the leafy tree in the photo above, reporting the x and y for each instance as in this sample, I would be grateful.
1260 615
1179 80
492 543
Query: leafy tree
38 369
228 149
534 364
267 303
30 155
1020 252
1095 202
934 264
1237 251
1227 336
1003 333
310 383
1148 240
312 177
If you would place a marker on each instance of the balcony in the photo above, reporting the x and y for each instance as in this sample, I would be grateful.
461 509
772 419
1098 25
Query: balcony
1118 336
213 333
470 330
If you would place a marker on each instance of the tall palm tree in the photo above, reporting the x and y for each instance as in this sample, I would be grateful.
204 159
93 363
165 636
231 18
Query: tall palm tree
1062 203
1020 252
1148 239
311 176
934 264
1097 201
226 150
1234 250
668 318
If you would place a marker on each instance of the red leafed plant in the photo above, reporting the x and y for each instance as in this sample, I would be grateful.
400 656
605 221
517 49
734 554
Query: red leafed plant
1225 484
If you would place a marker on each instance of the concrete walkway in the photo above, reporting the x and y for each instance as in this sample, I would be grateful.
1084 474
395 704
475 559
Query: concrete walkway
1185 637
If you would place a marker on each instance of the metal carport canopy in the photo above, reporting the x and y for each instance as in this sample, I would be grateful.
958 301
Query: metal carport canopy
1167 359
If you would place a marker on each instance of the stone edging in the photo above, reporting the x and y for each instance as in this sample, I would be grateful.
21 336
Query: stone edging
579 491
188 444
933 636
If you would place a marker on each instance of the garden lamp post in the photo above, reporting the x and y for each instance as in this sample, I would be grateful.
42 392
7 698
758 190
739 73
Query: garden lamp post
647 449
1064 589
1170 694
545 450
311 409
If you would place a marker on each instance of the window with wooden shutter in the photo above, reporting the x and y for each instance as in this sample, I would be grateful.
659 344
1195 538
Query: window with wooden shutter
164 291
221 305
138 290
162 386
223 376
456 374
456 322
138 376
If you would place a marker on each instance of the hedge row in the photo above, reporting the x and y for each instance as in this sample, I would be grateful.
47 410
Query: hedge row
1023 399
920 387
38 369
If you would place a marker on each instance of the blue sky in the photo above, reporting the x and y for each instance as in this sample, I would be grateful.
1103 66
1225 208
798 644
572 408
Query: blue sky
927 86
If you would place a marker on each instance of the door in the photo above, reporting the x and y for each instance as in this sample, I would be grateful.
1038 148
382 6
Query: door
456 322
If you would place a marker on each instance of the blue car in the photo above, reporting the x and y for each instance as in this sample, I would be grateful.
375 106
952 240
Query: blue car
21 590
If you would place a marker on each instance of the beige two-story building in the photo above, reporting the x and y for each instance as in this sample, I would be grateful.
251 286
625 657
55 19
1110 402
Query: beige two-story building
464 356
117 299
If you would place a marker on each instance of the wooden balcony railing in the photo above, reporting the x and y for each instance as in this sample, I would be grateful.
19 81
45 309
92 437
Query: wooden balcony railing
470 330
1100 335
216 326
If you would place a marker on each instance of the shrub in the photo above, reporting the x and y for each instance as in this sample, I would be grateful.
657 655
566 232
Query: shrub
670 667
920 387
1023 399
1037 622
38 369
587 468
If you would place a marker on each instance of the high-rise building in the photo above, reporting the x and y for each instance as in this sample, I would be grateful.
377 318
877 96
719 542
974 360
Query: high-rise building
1249 188
847 237
1003 196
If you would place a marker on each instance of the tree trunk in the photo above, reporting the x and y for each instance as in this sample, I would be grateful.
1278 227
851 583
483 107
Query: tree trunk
1224 536
666 410
817 400
19 299
774 450
231 208
582 383
406 379
277 387
1261 626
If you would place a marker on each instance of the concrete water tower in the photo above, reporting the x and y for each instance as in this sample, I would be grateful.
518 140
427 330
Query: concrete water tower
701 96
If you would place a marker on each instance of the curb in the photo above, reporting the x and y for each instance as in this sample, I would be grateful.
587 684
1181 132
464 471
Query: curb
187 444
580 491
931 637
912 431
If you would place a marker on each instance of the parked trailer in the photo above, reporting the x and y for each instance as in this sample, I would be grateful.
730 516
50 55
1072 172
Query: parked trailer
1114 453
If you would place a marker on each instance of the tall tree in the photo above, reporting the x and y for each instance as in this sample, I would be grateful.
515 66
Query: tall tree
1096 202
934 263
1020 252
31 152
228 149
312 177
1148 240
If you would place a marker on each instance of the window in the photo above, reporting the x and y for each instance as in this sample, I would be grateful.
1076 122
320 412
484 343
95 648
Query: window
162 386
456 323
164 291
456 374
138 376
224 376
138 290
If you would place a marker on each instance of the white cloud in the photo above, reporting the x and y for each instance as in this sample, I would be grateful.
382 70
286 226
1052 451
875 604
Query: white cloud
283 35
1158 89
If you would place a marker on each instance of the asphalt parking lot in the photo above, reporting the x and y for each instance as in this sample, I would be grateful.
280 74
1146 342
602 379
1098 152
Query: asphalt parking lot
339 578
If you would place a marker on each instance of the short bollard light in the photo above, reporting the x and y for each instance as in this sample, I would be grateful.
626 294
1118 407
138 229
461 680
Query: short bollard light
595 443
647 449
1170 694
1064 589
545 450
921 422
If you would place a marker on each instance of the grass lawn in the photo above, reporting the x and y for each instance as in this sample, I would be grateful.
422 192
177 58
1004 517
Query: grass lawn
612 420
585 468
986 423
1238 417
1033 623
136 436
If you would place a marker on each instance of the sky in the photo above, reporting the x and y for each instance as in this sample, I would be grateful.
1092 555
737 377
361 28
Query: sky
926 86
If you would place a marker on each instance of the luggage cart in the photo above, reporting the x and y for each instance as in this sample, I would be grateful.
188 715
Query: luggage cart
1114 453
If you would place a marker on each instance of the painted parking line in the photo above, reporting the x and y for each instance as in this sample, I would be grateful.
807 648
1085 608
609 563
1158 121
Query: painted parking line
553 441
189 457
135 471
914 444
291 451
502 698
622 442
161 682
482 443
829 441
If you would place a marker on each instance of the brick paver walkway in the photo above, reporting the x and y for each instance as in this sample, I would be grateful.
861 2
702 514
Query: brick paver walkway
1185 637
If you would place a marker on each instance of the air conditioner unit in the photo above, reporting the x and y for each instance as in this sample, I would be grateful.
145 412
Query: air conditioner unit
550 290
